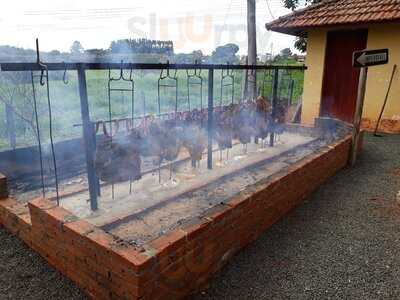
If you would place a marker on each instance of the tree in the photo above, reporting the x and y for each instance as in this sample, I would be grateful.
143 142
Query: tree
225 54
293 4
285 53
301 42
54 53
143 46
16 95
76 48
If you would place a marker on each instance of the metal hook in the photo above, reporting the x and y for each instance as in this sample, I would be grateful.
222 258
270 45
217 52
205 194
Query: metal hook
42 82
43 67
229 72
65 80
168 73
130 75
162 72
228 75
196 73
191 77
121 74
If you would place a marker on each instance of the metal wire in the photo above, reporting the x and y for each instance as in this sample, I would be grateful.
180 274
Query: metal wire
194 79
51 134
111 79
44 80
166 75
38 133
65 79
231 83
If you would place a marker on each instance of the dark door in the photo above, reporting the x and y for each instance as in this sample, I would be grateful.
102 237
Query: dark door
340 83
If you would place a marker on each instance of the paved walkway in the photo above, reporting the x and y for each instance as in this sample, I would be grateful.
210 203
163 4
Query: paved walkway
344 242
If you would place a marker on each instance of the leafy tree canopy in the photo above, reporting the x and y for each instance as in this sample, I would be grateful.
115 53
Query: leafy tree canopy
225 54
286 52
76 48
301 42
142 46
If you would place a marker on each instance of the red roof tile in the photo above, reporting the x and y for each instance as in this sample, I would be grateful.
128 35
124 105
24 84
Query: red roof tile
337 12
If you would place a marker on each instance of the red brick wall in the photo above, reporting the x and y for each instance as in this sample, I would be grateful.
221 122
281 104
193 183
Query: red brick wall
180 262
188 256
98 262
3 187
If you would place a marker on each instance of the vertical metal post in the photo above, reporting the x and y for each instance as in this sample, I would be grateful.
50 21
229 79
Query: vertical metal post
88 137
274 105
210 118
94 133
362 85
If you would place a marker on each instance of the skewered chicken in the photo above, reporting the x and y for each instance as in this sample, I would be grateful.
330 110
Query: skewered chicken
224 128
171 142
243 117
262 110
162 141
151 144
194 137
195 141
117 160
262 104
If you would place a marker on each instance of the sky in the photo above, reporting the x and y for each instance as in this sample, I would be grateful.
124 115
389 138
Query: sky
192 25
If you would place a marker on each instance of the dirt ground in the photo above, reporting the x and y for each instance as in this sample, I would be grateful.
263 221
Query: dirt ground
343 242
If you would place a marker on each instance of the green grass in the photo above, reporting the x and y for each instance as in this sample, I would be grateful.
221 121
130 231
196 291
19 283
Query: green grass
65 101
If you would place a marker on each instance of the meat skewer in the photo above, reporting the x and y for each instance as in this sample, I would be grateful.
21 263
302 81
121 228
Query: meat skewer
262 126
242 123
194 138
195 141
118 160
162 142
171 143
224 129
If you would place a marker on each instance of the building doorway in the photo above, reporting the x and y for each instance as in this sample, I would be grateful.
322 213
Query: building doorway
340 82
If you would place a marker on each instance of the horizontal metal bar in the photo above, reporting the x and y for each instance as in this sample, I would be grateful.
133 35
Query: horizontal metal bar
137 66
121 90
167 85
130 118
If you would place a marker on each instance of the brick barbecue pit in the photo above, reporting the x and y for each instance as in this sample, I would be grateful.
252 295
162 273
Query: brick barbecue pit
154 252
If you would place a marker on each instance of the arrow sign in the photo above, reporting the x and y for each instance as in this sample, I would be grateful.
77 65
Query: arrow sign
369 58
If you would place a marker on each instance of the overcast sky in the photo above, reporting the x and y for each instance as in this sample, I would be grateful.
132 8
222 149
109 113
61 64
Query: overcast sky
191 24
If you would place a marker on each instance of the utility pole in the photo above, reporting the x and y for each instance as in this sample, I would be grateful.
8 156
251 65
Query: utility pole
252 47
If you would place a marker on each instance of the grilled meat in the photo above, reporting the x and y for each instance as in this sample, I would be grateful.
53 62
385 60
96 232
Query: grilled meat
262 104
151 142
261 123
195 141
242 123
162 141
117 160
224 127
171 143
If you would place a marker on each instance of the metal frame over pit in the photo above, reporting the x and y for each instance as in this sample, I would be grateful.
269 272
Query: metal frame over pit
88 125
